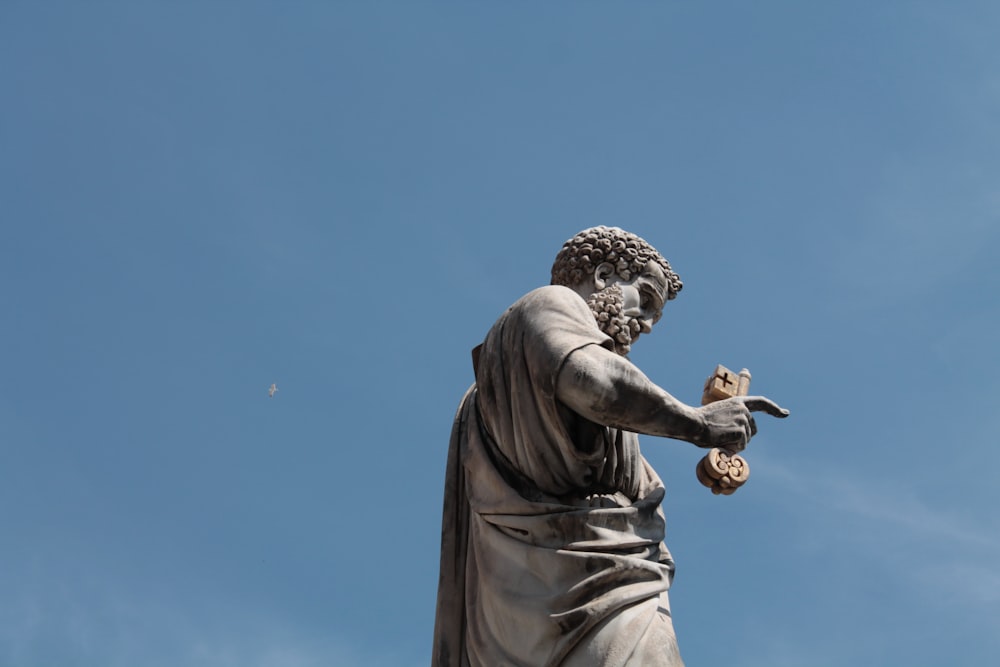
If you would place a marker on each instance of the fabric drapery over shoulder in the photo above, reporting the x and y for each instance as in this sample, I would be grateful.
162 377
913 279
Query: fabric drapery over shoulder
519 362
552 532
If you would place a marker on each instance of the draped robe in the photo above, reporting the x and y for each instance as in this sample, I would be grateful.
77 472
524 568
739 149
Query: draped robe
552 547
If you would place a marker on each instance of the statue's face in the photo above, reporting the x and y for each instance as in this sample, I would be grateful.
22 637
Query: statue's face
643 295
625 308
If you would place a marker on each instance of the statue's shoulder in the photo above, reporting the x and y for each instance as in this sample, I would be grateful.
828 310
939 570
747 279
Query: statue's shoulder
548 306
550 297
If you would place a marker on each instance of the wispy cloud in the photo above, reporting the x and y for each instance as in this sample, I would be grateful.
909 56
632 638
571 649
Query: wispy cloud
952 555
888 505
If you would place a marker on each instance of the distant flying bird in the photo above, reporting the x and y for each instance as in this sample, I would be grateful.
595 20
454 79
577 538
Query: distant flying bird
270 390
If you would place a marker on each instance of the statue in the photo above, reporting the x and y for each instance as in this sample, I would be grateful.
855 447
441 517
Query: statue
552 548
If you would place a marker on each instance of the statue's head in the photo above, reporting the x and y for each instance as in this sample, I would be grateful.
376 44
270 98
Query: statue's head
625 280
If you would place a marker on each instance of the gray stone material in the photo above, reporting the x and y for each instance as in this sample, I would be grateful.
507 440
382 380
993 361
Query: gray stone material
552 548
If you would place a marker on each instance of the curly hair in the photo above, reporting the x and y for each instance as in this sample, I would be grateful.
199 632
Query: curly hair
581 255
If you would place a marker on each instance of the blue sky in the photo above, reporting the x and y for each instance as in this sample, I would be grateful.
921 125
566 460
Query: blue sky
200 199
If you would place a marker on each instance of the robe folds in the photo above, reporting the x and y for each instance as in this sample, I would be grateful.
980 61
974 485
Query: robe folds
552 549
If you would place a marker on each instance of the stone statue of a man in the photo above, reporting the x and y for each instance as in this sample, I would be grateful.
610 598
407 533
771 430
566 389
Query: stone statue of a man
552 543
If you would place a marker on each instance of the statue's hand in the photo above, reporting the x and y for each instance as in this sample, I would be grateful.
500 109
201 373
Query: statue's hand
729 424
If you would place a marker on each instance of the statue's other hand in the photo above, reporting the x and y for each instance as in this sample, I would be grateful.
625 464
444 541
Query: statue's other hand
729 424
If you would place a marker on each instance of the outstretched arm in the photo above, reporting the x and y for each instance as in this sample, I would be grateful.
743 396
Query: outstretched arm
608 389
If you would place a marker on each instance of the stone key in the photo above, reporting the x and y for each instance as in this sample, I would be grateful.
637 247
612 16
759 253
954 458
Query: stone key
721 472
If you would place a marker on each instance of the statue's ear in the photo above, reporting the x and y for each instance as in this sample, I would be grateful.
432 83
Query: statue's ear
602 273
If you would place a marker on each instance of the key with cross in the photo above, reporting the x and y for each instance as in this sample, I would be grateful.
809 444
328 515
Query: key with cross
723 473
723 383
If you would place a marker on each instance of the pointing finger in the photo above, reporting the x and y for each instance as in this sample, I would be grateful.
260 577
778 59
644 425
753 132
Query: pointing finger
762 404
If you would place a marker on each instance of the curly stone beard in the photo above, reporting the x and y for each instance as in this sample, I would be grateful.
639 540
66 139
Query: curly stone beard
608 307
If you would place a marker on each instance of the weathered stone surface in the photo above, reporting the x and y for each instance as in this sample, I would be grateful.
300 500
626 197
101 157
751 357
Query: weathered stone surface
552 548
